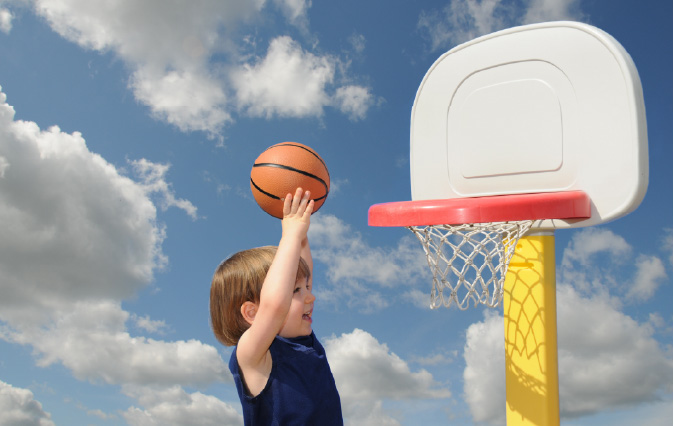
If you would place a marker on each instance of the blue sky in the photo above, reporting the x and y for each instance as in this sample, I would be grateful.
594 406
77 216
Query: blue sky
127 134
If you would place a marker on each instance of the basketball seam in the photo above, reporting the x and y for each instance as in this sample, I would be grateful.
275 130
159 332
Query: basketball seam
292 169
272 196
304 148
263 191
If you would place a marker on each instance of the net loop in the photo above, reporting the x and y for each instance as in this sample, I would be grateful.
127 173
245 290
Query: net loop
469 262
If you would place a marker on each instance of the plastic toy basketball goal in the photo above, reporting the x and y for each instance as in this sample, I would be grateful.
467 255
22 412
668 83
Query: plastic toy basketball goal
514 135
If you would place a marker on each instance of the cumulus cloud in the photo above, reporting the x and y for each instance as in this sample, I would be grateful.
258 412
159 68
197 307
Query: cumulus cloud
598 261
463 20
91 340
5 20
166 48
295 11
78 237
650 273
591 242
353 101
93 230
149 325
3 166
288 81
484 375
596 361
190 63
351 262
600 347
553 10
153 181
175 406
188 99
18 407
367 373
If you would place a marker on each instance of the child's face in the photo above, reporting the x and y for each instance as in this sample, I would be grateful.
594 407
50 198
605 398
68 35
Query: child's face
298 321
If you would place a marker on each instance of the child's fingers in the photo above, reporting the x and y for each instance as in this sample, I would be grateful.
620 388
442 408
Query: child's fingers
309 210
296 200
305 200
287 204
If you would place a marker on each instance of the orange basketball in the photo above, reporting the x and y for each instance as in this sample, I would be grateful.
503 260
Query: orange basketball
284 167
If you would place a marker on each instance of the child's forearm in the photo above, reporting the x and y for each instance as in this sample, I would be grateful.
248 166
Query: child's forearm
305 253
277 289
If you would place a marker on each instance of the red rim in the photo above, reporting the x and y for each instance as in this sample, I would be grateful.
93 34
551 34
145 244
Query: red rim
499 208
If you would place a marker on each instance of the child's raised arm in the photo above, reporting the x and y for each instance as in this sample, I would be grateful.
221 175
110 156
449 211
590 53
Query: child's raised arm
269 315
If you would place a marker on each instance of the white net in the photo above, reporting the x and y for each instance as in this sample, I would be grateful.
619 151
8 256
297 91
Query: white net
469 262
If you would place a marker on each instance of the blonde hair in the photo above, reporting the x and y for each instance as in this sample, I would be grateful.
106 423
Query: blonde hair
237 280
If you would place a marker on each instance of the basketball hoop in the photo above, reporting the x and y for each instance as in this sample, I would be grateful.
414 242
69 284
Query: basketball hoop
469 241
469 262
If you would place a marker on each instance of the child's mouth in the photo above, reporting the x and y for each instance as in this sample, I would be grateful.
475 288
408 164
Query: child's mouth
307 316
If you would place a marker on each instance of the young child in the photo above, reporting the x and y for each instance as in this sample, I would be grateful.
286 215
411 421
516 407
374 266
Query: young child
261 301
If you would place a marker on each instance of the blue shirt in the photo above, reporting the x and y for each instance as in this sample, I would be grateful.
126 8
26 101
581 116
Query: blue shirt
300 391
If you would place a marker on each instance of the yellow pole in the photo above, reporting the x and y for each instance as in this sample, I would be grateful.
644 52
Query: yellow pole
530 323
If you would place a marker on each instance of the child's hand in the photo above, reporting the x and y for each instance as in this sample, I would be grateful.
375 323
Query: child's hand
297 211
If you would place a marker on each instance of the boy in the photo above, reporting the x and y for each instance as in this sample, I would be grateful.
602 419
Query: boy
261 301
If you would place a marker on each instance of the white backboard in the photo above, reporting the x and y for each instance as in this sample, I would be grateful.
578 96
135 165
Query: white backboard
547 107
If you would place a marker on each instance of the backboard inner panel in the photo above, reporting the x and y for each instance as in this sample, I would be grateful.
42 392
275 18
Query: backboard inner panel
524 115
511 128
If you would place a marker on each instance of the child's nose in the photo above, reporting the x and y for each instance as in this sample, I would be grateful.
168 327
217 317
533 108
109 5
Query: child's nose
310 297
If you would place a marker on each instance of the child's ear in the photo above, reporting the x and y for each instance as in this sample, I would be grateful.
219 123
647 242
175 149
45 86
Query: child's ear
248 311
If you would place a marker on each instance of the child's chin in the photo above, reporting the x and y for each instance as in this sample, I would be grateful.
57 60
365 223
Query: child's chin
302 333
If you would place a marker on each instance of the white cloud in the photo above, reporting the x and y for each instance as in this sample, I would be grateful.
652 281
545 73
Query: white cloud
176 407
153 181
288 82
91 340
589 242
18 407
353 101
600 350
295 11
352 262
4 164
189 62
460 21
600 347
93 230
484 375
650 273
553 10
149 325
5 20
367 372
167 50
463 20
598 261
357 42
78 238
187 99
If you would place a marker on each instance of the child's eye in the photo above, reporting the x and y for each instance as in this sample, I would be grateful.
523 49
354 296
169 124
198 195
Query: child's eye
296 290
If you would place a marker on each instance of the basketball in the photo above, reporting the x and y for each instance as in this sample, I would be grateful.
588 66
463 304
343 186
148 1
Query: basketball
284 167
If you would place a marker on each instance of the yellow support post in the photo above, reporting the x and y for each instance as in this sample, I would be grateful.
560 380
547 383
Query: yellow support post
530 325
